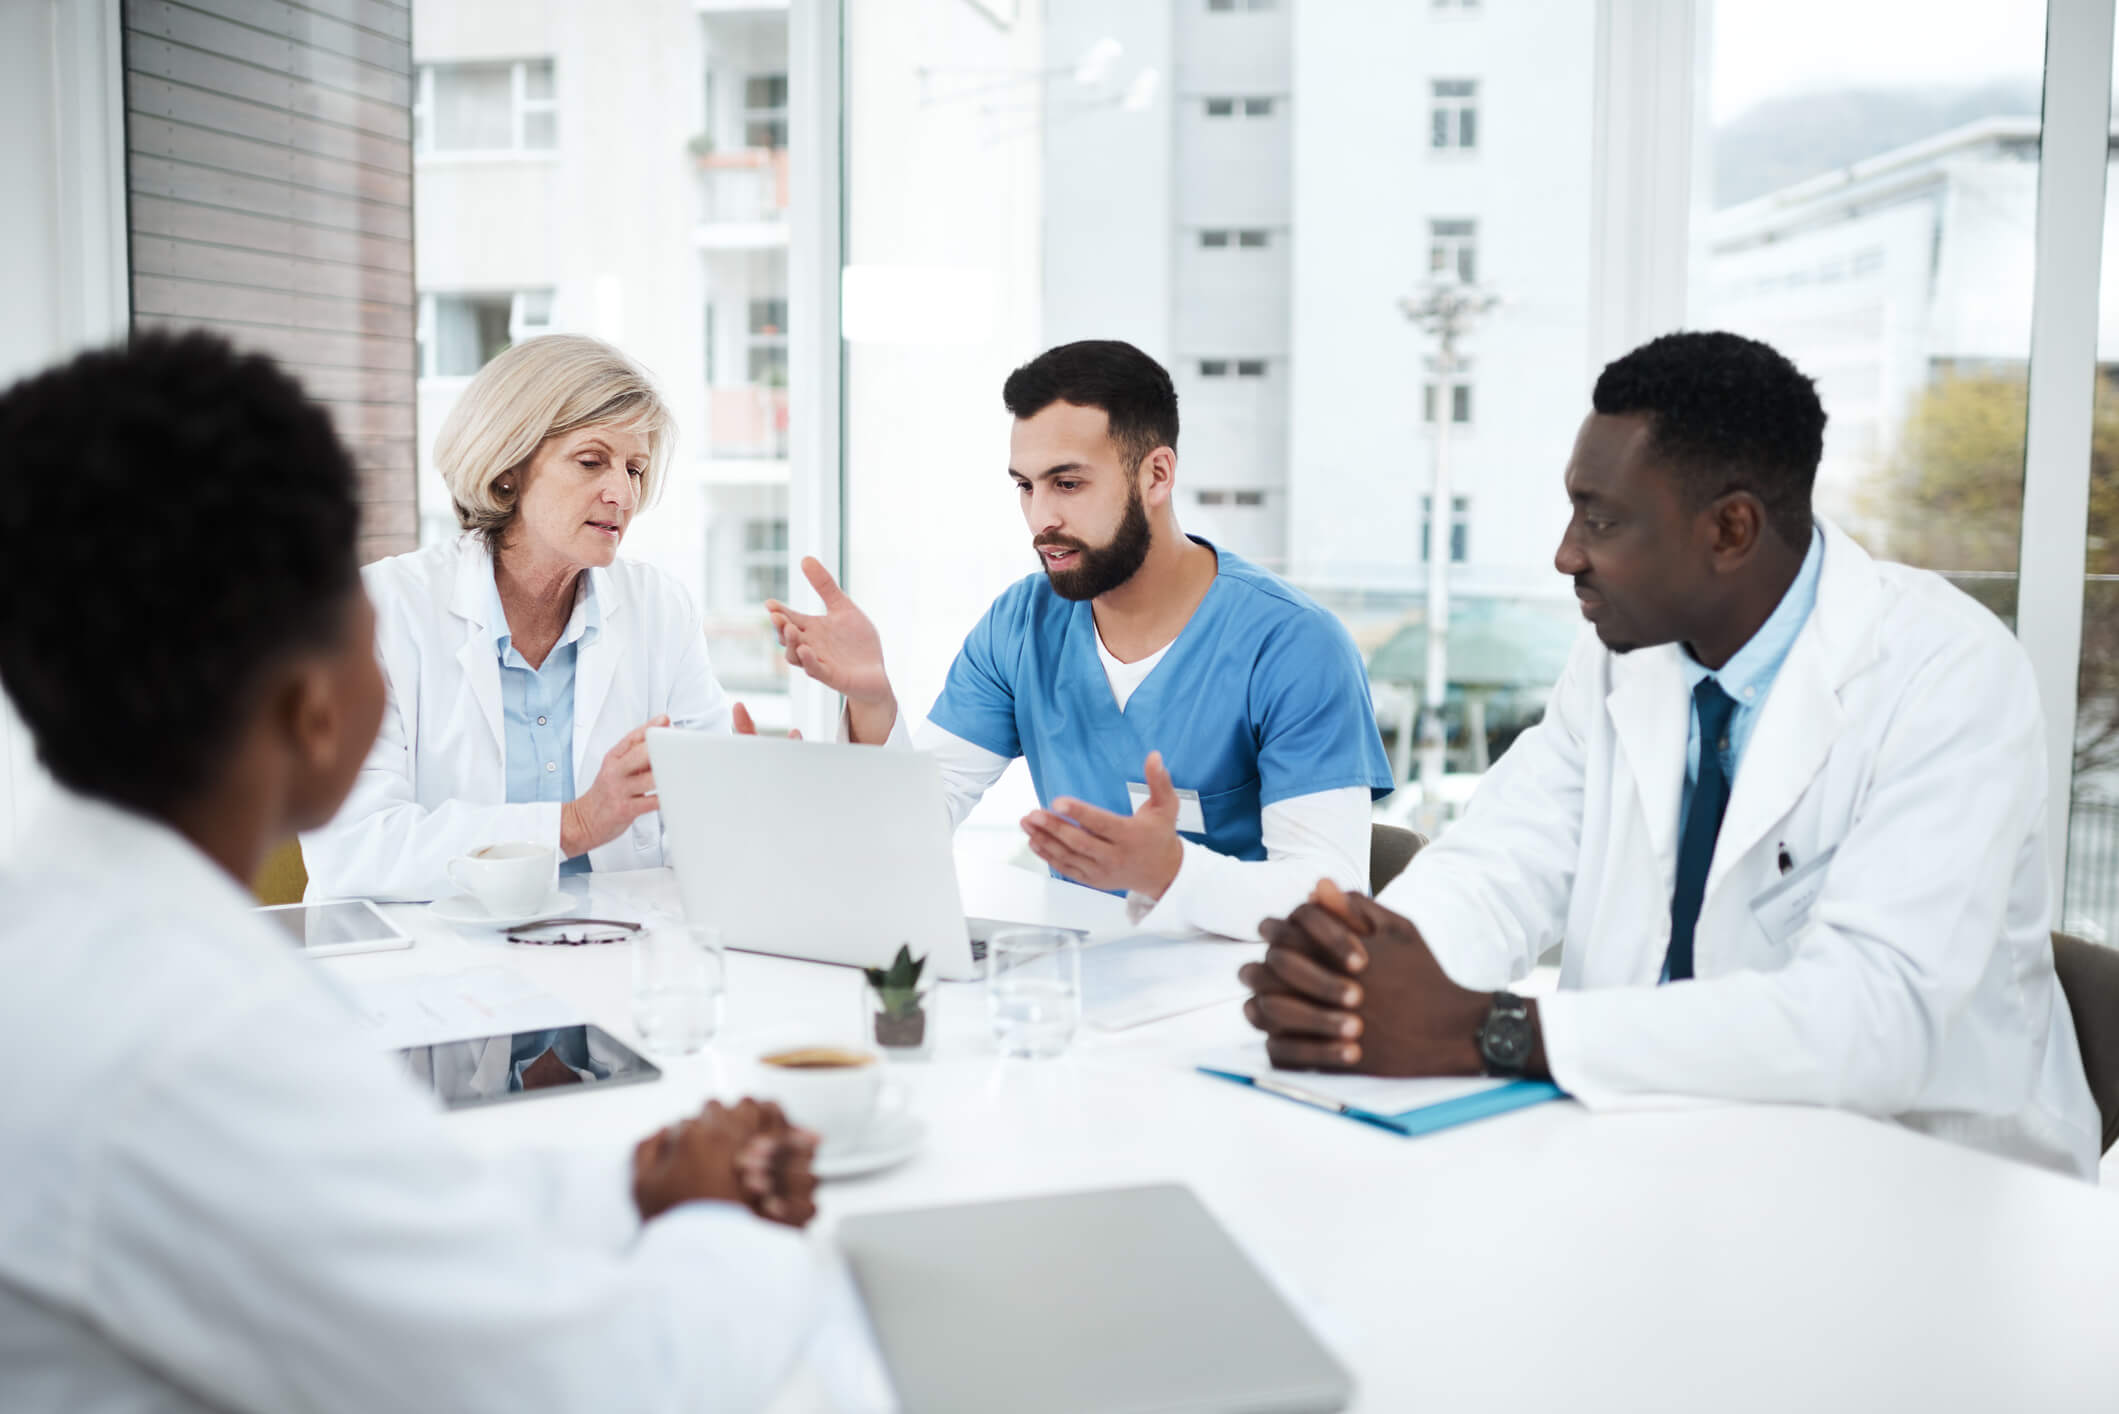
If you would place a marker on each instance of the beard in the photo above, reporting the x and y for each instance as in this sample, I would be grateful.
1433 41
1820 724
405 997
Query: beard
1101 568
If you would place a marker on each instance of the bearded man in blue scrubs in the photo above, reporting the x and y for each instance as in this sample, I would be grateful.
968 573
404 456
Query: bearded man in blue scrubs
1200 733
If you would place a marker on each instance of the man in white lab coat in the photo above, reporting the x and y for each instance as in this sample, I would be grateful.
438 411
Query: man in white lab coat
219 1193
1784 815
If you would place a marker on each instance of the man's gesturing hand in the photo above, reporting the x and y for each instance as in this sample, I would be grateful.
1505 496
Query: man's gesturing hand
1140 853
1349 985
841 649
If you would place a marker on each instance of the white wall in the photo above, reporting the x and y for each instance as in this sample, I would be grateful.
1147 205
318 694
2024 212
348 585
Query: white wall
933 528
62 248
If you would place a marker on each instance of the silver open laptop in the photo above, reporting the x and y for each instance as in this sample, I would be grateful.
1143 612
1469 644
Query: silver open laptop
834 853
1120 1300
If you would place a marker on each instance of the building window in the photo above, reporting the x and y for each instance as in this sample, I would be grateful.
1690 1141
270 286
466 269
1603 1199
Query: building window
1453 249
1259 106
460 333
1213 368
1251 240
1243 240
1454 115
1253 499
1220 107
1458 5
766 343
1250 368
1460 403
1213 240
1230 7
764 558
485 108
765 111
1460 523
1250 498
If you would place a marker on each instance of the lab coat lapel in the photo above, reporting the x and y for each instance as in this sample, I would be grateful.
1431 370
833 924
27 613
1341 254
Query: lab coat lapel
595 666
1649 709
1802 716
471 603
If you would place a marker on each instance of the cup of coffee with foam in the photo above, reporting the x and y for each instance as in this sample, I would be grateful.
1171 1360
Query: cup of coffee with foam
511 880
830 1089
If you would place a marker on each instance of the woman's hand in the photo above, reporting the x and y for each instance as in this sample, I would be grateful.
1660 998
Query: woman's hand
620 795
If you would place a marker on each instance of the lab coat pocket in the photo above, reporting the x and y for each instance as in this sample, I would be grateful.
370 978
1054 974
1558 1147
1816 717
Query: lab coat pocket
1783 907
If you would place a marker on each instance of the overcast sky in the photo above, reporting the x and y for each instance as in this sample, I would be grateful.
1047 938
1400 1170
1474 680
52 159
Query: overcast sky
1766 48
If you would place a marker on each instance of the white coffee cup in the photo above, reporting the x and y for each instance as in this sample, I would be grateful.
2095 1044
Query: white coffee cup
832 1090
510 879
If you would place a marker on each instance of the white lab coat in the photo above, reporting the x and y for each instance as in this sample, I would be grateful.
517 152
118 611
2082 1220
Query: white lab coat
435 784
1904 733
221 1193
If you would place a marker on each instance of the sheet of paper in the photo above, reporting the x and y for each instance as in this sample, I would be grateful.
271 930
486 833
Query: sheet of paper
1374 1093
1128 982
458 1006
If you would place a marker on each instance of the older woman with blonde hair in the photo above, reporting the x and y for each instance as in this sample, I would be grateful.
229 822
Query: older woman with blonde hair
525 660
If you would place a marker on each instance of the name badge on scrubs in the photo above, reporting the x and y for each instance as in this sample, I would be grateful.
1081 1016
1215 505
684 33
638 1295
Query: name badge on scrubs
1784 905
1191 820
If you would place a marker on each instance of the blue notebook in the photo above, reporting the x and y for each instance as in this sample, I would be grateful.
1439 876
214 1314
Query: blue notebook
1407 1107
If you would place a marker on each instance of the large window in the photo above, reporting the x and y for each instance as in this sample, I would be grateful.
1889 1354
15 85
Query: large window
660 224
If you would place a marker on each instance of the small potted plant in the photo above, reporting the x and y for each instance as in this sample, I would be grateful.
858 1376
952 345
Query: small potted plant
897 1004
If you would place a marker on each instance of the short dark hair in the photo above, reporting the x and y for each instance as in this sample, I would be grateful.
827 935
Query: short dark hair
1729 414
1134 391
175 517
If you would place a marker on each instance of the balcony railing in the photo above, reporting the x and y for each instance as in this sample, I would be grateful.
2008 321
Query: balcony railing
746 186
747 420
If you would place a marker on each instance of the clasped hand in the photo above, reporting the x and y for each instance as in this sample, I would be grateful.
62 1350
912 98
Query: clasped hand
1347 984
747 1154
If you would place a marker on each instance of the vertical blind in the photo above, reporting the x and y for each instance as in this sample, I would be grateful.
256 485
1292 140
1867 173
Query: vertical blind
269 182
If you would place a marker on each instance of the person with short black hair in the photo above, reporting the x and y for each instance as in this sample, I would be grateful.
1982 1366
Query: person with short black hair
220 1193
1784 816
1200 733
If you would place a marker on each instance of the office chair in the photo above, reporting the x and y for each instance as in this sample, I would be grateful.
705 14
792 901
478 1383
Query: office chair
2089 978
1390 850
283 877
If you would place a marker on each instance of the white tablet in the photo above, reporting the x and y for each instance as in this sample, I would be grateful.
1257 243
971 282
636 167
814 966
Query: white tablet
328 929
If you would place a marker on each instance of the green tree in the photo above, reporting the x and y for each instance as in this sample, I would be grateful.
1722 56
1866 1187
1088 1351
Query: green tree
1951 499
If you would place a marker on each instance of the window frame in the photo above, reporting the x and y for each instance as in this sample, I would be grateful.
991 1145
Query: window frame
521 107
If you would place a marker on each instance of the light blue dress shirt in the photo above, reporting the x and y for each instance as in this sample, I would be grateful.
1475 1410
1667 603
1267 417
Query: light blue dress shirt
1748 675
537 708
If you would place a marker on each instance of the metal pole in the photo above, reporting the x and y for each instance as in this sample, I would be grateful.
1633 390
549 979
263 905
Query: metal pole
1447 311
1435 680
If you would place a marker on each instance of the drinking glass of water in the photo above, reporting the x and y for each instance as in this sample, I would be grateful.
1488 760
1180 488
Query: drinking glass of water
1034 990
679 974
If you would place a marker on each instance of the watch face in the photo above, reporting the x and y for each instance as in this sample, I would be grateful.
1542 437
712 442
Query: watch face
1505 1040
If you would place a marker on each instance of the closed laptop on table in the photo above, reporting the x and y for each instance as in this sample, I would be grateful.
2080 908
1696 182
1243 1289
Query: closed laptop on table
1120 1301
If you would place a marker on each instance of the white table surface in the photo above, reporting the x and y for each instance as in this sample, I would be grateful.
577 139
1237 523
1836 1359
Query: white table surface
1726 1258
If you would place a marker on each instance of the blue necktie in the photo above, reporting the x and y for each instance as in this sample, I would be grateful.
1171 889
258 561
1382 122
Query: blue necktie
1703 821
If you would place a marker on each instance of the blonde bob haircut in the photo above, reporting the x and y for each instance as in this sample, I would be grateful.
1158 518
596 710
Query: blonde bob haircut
540 388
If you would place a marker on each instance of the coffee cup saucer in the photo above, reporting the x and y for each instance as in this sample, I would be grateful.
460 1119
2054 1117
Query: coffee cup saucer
465 911
891 1138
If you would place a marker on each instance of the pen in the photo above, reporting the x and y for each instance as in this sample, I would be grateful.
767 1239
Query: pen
1787 860
1296 1093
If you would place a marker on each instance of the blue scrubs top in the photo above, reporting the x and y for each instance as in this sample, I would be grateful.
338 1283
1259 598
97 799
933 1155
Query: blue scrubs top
1261 698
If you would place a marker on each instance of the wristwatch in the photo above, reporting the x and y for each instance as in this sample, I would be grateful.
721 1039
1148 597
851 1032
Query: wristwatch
1505 1040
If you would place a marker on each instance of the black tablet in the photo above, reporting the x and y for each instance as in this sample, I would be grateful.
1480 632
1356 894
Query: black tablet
562 1060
